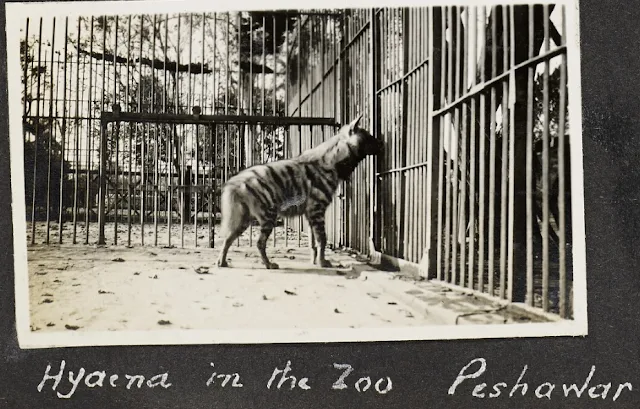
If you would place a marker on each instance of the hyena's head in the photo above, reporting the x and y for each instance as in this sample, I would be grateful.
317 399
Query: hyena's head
361 141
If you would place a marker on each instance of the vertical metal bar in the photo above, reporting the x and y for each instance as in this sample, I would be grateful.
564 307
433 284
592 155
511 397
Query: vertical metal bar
142 137
422 46
130 136
530 215
200 186
169 135
492 154
262 103
103 104
414 144
456 174
448 131
64 129
405 135
76 159
103 183
461 233
373 119
210 184
545 167
190 103
103 148
444 125
482 136
35 141
472 42
512 101
504 156
563 307
252 128
116 136
51 127
156 165
273 134
395 178
337 60
299 76
286 110
214 131
226 102
426 113
90 137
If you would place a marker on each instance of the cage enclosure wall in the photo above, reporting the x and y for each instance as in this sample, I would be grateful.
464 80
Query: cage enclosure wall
133 123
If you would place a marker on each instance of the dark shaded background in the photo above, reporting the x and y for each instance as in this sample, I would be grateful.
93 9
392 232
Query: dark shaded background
421 371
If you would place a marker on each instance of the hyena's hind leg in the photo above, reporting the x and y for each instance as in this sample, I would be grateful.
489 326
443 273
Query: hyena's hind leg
267 221
319 236
228 241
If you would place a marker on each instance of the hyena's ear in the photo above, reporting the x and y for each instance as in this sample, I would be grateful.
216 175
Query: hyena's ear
354 124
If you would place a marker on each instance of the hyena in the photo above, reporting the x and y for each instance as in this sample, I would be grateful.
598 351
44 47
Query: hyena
303 185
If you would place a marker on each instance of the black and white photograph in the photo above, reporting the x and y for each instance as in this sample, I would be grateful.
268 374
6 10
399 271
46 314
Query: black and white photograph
184 173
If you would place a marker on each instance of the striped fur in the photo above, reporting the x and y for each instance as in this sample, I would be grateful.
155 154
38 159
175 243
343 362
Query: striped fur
304 185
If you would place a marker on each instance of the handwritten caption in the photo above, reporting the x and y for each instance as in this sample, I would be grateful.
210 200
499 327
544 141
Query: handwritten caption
544 390
281 378
345 376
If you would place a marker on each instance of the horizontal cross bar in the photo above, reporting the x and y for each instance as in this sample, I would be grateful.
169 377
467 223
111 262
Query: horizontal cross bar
147 117
482 87
404 77
403 169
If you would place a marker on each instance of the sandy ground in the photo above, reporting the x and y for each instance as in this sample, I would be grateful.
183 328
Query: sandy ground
115 287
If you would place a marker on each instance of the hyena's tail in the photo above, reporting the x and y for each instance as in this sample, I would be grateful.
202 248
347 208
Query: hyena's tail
234 212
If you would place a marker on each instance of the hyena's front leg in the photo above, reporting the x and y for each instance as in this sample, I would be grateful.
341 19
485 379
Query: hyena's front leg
316 220
313 250
266 227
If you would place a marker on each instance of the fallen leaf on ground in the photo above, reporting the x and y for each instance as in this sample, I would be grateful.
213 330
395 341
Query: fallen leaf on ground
164 322
71 327
202 270
118 260
337 311
46 301
289 292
